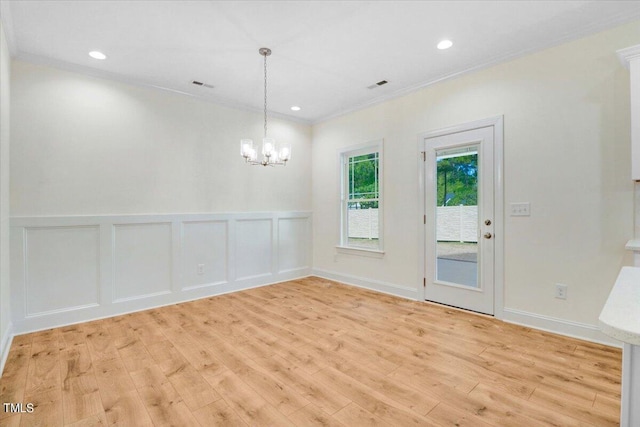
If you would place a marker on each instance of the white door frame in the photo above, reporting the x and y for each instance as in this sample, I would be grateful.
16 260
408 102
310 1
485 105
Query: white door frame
498 159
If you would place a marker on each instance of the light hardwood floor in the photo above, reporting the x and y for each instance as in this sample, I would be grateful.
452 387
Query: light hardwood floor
309 352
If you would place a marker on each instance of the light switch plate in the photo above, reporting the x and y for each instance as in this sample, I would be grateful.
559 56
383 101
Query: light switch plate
520 209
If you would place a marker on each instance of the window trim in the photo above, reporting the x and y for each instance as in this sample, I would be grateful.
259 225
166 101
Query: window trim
343 156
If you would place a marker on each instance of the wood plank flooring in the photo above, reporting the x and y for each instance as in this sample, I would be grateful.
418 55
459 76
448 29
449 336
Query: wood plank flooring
308 352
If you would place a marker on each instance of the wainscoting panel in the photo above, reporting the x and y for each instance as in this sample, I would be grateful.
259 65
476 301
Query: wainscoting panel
141 260
62 268
293 241
204 259
77 268
253 248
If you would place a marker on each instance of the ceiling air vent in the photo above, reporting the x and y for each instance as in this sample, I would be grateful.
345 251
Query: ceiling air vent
197 83
375 85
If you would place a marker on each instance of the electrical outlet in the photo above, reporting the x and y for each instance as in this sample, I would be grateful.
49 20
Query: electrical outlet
561 291
520 209
200 269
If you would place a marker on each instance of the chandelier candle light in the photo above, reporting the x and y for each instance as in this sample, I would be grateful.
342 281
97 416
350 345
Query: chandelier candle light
271 154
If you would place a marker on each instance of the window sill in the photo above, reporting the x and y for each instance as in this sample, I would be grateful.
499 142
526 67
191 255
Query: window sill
371 253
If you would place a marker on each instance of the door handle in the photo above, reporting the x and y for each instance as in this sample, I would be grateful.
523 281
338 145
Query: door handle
487 235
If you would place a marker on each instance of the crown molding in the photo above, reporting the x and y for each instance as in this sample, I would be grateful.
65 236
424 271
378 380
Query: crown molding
107 75
626 55
5 16
575 35
7 26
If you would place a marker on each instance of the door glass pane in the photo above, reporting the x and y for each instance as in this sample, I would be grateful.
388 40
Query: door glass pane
457 216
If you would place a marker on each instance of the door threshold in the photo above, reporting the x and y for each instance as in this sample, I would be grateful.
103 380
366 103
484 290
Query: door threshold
464 310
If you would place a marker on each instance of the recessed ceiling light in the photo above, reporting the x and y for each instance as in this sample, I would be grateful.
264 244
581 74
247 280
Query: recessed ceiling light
295 108
445 44
97 55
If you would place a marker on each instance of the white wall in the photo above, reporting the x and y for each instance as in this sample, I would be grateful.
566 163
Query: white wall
120 192
567 147
90 146
87 146
5 307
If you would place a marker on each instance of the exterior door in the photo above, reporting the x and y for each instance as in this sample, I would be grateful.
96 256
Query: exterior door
459 219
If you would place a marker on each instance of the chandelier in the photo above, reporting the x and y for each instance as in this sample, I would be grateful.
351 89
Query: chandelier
272 155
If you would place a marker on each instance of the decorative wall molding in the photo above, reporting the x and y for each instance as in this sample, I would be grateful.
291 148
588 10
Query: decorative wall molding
61 256
69 269
628 54
5 340
583 331
57 252
490 62
132 81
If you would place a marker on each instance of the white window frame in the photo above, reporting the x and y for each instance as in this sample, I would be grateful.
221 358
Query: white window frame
344 155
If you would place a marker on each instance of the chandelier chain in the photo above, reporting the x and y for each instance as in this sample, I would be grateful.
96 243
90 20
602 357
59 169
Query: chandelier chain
265 95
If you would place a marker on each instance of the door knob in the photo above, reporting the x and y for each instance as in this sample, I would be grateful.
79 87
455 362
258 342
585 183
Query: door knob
487 235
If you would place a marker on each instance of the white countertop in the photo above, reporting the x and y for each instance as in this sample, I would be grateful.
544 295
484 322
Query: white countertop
620 317
633 245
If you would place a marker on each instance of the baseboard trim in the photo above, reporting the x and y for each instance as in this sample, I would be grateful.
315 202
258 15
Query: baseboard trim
583 331
554 325
103 285
29 325
7 338
541 322
374 285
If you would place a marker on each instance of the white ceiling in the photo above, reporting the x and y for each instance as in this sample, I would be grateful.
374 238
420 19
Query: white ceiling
325 53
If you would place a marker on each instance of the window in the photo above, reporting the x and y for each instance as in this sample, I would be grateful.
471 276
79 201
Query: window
361 197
